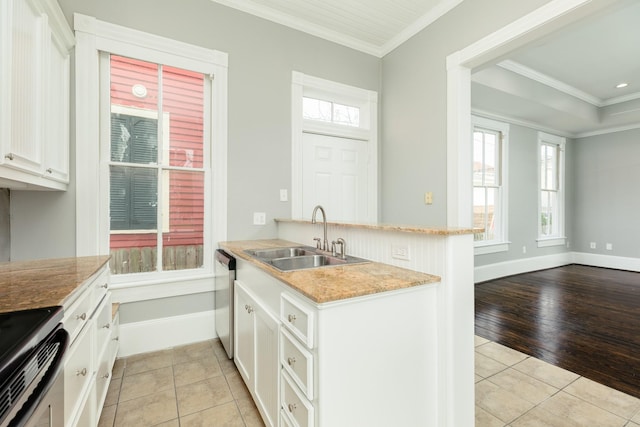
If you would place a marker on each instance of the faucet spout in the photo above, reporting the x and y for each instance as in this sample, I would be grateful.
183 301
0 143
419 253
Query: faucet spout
325 242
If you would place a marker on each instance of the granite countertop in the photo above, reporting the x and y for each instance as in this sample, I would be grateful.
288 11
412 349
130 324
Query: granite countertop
441 231
327 284
44 283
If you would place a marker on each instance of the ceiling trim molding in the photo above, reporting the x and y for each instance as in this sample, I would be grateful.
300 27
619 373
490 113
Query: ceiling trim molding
441 9
519 122
621 99
608 130
544 79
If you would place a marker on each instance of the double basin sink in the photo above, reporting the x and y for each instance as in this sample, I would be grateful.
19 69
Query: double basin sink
300 257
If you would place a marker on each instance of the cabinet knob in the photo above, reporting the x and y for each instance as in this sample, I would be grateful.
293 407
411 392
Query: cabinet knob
292 407
106 376
49 170
9 156
116 339
107 325
291 361
105 286
83 372
291 318
250 309
82 316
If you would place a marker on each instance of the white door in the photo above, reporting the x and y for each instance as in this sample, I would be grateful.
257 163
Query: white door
334 175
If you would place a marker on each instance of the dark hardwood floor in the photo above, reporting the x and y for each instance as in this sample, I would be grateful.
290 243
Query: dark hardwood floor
583 319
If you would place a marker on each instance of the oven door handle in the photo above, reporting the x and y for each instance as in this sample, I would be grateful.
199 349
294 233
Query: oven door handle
61 336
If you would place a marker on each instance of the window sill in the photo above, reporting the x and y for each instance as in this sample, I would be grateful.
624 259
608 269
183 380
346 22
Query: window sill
490 248
551 241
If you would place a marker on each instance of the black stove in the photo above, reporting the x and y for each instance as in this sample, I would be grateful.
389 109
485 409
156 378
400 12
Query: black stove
32 343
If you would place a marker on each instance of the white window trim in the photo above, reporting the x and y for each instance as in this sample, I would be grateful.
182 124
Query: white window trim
366 100
559 239
92 222
502 245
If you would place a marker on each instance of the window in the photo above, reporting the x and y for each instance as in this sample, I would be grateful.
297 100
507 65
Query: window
330 112
154 187
551 194
489 184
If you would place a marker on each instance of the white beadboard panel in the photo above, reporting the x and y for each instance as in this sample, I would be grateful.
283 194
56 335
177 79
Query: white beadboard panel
426 251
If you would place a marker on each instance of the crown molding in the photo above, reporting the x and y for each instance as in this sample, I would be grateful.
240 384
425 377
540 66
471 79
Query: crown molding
519 122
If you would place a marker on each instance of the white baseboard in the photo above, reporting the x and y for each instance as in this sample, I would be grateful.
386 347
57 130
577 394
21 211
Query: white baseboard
509 268
607 261
159 334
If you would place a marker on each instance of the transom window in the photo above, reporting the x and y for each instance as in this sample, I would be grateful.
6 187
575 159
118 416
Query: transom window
330 112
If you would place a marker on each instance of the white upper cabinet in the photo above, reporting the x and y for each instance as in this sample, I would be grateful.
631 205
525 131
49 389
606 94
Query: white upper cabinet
35 44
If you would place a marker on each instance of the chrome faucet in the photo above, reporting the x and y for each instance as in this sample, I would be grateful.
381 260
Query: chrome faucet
325 242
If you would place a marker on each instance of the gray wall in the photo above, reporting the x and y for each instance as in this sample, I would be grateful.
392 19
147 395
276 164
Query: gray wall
261 57
5 226
523 198
414 102
607 201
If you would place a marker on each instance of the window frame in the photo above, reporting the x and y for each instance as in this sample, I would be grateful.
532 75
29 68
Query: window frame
501 244
92 226
559 142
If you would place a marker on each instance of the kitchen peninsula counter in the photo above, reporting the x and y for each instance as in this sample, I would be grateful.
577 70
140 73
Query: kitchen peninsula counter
441 231
334 283
44 283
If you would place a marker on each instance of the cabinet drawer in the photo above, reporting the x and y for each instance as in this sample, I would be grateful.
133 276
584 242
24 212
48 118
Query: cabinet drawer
103 324
297 318
295 406
298 362
78 315
114 341
77 373
100 285
284 419
103 377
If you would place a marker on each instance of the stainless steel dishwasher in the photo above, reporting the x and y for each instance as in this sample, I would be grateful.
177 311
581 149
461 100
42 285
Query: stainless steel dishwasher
225 274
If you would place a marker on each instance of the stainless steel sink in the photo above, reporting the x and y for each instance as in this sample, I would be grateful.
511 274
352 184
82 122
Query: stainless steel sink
267 254
300 258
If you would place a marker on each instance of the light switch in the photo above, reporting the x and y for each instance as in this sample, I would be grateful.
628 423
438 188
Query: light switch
284 196
428 198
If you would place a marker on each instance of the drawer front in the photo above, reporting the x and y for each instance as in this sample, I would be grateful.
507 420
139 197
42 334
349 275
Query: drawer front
297 318
114 341
298 362
284 419
100 285
78 316
295 406
78 371
103 377
103 324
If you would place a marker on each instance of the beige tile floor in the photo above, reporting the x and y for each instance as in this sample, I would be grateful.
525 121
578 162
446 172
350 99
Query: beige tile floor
515 390
194 385
197 385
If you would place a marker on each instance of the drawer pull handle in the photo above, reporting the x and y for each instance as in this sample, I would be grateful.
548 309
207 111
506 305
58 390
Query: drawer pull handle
292 407
106 376
82 316
107 325
291 318
291 361
9 156
83 372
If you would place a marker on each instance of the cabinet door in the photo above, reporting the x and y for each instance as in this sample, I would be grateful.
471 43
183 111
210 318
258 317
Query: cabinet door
56 140
244 333
23 149
267 366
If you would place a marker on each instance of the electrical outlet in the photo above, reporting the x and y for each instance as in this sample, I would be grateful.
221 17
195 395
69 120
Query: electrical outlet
400 252
592 245
609 247
428 198
524 249
259 218
284 196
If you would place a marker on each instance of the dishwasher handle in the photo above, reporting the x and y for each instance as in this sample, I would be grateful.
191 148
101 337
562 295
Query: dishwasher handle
225 259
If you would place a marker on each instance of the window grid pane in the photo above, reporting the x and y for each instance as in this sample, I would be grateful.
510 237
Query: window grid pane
157 214
487 186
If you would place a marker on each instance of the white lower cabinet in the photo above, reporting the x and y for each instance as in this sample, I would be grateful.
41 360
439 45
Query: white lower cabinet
256 352
92 349
367 361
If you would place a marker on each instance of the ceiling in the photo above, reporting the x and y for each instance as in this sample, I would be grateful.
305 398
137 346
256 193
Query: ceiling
563 83
375 27
566 82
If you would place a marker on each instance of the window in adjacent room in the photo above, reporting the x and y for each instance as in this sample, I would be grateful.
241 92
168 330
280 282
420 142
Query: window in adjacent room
490 184
551 190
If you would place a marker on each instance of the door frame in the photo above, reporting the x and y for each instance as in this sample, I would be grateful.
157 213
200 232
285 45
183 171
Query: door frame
368 131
